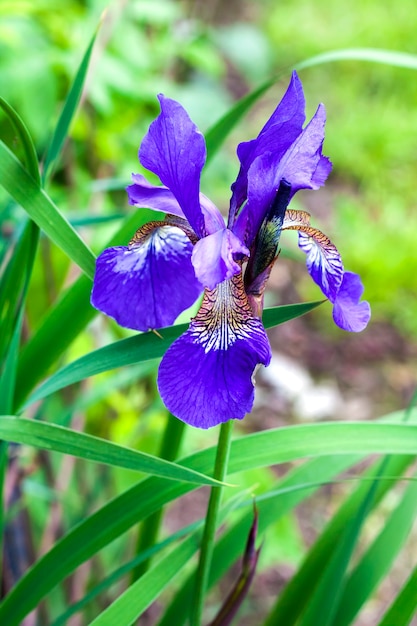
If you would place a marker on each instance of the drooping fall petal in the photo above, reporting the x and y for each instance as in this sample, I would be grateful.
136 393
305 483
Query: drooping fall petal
148 284
205 377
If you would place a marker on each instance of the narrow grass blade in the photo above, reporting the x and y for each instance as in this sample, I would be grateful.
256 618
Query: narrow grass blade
216 135
325 599
308 440
374 55
125 569
378 558
8 372
60 439
64 322
26 192
294 488
131 604
14 282
31 159
148 531
7 383
143 347
70 106
148 496
296 596
404 606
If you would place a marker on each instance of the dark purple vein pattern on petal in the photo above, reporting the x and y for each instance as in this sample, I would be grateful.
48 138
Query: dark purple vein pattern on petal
205 377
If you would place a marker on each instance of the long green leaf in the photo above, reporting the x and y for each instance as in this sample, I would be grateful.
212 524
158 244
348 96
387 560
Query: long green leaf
326 597
374 55
129 606
27 192
121 571
404 606
216 135
28 146
64 321
375 563
14 282
60 439
299 484
296 596
143 499
69 109
143 347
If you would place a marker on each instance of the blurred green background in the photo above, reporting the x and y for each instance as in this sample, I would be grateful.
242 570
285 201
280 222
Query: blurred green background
207 54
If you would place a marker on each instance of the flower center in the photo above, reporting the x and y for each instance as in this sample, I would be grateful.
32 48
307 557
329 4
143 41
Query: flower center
225 316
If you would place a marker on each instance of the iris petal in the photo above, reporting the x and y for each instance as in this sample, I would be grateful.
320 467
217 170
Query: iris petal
175 150
213 257
303 166
323 261
158 198
205 377
148 284
348 312
282 128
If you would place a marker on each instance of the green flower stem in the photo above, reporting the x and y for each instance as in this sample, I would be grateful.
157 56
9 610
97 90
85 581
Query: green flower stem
149 529
207 544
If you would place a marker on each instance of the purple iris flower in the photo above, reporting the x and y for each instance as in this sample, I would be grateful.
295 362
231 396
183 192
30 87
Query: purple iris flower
206 376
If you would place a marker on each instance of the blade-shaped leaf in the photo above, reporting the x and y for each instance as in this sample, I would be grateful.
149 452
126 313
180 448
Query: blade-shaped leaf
26 192
129 606
63 323
121 571
69 109
216 135
378 558
31 159
374 55
148 496
325 599
404 606
14 282
299 484
60 439
143 347
296 596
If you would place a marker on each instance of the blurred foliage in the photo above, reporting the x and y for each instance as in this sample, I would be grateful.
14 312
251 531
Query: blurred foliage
206 61
206 55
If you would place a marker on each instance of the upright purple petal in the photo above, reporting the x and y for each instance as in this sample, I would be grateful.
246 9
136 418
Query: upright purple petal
348 312
148 284
303 166
205 377
175 150
159 198
282 128
143 194
214 257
